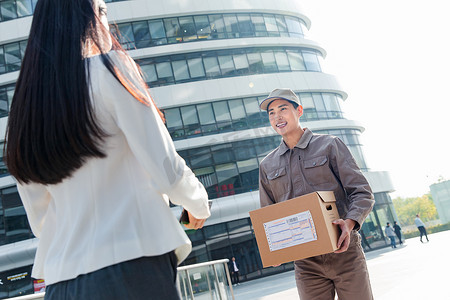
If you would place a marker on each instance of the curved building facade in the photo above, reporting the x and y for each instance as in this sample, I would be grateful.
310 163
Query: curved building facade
208 64
441 198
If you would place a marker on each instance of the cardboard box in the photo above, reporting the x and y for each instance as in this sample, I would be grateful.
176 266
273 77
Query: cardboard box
297 228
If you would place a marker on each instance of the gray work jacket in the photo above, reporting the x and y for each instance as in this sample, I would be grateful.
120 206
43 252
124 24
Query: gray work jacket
317 163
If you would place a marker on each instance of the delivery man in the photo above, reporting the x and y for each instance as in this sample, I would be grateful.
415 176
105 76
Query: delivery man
304 163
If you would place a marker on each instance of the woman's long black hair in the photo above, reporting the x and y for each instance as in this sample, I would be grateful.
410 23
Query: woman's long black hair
51 128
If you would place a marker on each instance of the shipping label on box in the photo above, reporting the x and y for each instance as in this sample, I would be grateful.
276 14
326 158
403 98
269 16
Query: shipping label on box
290 231
296 229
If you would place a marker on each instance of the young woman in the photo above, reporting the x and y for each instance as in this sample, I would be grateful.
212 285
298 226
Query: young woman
95 164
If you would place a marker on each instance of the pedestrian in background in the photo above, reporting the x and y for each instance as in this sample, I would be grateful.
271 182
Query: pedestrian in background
390 233
95 165
421 226
234 272
398 232
364 239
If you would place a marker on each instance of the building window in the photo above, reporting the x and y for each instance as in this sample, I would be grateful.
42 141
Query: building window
237 112
141 32
8 10
157 33
164 71
207 120
224 169
223 117
242 113
24 8
311 61
206 27
202 26
269 63
212 69
296 61
6 94
126 36
257 21
190 120
13 9
11 56
196 68
282 61
2 60
225 63
180 70
233 168
216 117
217 27
3 168
149 33
188 30
14 225
271 25
293 27
173 31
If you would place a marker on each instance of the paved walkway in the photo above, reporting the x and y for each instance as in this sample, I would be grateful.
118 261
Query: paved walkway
414 271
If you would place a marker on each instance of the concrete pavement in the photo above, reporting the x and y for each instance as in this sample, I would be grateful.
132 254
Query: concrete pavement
413 271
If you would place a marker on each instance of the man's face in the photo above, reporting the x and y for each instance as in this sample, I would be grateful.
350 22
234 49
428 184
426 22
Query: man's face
284 117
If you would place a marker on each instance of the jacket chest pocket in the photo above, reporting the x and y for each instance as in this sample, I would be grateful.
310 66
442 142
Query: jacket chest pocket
317 171
278 181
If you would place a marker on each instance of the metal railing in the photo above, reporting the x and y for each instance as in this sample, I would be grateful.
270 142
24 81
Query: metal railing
39 296
204 281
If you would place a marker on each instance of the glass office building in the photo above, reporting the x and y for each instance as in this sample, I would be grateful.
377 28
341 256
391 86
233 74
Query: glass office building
441 197
208 64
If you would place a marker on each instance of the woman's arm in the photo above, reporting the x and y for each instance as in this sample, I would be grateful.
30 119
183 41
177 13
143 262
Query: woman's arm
151 143
35 199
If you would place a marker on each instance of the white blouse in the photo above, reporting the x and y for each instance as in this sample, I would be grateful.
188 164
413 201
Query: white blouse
114 209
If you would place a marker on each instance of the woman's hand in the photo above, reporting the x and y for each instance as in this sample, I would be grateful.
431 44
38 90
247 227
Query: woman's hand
194 223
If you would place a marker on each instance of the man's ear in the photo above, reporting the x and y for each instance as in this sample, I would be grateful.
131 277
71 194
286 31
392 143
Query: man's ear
300 111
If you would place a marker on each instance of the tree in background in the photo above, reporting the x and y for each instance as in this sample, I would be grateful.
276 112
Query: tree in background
407 208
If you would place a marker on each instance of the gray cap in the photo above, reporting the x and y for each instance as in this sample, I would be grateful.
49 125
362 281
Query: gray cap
285 94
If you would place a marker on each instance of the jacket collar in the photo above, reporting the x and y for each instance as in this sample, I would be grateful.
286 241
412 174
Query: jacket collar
302 143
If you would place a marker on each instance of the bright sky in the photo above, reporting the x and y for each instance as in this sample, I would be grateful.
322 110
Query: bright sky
393 60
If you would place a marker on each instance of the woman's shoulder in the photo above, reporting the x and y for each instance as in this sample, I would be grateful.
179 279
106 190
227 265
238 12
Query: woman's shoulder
116 56
118 59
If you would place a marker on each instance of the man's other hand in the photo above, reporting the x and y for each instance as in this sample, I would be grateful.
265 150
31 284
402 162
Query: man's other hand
346 227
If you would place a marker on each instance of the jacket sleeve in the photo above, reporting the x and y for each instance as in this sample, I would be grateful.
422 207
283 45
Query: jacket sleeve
265 193
151 143
359 194
35 199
